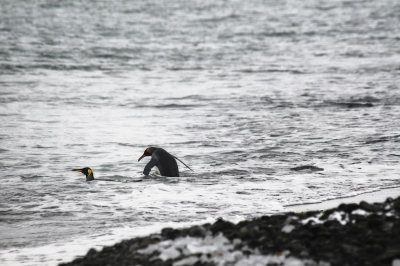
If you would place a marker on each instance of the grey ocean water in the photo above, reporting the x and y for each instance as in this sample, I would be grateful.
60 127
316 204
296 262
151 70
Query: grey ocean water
242 91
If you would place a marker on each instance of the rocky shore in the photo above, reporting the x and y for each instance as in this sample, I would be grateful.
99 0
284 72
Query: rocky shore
350 234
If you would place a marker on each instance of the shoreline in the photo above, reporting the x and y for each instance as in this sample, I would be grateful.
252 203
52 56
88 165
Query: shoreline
77 252
364 233
369 196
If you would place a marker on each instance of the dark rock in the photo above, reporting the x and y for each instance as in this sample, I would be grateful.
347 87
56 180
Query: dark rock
349 249
376 221
388 201
374 249
243 232
170 233
391 253
197 231
221 226
332 224
396 204
387 227
296 246
91 252
327 213
348 207
369 207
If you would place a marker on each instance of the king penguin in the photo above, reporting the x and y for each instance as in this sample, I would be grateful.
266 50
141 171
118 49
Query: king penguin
86 171
164 161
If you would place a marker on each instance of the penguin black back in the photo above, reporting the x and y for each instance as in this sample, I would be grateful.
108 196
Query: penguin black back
164 161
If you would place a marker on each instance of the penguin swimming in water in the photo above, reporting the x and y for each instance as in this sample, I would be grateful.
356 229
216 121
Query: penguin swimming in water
89 176
86 171
164 161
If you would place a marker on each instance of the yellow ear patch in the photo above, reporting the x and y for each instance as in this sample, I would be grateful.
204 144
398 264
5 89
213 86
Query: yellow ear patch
148 149
89 172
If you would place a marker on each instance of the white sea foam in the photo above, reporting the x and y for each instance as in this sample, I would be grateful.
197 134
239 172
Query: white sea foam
341 217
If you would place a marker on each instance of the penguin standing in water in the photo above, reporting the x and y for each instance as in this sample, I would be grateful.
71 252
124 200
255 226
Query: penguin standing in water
164 161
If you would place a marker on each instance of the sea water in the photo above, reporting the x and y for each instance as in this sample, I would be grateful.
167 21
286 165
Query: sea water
242 91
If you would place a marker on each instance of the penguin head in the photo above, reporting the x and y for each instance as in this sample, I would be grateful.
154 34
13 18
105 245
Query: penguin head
147 152
86 171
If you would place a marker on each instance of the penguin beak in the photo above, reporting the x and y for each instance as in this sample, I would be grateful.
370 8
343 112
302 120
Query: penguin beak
141 157
78 170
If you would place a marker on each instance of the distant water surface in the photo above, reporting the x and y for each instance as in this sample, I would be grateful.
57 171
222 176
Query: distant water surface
242 91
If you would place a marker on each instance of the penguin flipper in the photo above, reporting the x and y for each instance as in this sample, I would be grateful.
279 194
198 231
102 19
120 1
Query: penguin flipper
149 165
183 163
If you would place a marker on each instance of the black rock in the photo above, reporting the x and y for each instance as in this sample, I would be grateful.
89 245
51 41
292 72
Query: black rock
348 207
91 252
197 231
221 226
170 233
369 207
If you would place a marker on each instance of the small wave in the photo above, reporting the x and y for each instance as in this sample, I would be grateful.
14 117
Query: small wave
189 142
55 214
326 8
184 68
351 54
120 179
113 56
132 11
43 147
5 29
23 67
170 106
354 102
190 97
243 192
7 115
349 104
30 176
395 138
217 19
126 144
233 172
12 99
75 145
279 33
271 70
233 152
307 167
